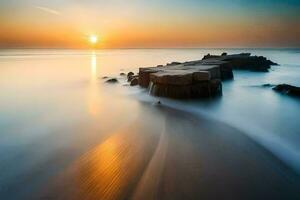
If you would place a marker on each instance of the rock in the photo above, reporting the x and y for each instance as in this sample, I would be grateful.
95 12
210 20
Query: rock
184 84
197 90
122 74
129 79
198 78
267 85
144 75
288 89
243 61
172 77
112 80
173 63
134 82
130 74
104 77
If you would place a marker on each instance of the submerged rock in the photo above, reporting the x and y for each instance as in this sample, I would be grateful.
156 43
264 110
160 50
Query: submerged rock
267 85
288 89
134 82
112 80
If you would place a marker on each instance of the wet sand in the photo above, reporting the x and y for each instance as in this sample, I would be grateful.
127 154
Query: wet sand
170 154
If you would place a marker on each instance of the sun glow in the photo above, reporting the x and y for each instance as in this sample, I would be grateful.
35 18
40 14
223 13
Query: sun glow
93 39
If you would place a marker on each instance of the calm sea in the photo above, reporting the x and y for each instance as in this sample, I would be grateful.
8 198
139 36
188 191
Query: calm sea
55 107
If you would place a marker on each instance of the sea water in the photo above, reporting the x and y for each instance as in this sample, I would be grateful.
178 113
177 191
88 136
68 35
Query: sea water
55 106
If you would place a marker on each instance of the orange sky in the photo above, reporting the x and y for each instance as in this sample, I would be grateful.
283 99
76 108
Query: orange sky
68 25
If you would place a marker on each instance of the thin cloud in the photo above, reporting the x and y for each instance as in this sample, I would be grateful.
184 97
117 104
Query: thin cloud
48 10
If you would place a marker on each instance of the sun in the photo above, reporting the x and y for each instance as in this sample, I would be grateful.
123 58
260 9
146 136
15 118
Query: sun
93 39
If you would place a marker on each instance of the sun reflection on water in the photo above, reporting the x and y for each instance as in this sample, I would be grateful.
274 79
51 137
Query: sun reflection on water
109 171
93 66
93 102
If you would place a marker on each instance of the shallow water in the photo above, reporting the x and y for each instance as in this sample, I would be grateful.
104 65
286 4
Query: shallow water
59 117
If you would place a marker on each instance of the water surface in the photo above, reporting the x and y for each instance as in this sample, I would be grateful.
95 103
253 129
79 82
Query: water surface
65 134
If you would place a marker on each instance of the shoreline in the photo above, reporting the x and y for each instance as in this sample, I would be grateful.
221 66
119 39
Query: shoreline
200 156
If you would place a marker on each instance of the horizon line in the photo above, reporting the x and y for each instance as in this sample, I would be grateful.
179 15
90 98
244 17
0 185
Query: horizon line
121 48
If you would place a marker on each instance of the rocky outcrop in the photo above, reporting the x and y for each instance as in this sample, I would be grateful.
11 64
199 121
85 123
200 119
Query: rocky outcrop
288 89
199 78
192 81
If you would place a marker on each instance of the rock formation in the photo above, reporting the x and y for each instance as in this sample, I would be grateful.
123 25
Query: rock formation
243 61
195 79
112 80
288 89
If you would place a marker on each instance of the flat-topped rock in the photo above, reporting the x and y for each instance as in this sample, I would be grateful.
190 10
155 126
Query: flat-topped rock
178 72
184 83
179 77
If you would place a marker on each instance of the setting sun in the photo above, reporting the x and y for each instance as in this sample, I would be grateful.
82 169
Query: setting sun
93 39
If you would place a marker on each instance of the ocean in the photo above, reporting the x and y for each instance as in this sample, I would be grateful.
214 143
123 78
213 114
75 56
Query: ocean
63 129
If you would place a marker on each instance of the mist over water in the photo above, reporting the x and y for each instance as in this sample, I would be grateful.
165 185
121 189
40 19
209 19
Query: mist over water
57 115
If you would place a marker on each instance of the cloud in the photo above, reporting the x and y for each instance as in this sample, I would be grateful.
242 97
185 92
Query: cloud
48 10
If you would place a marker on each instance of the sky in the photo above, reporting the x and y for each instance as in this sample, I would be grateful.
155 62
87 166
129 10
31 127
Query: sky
149 23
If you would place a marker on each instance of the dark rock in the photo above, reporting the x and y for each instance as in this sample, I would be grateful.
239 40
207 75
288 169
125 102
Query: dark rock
144 75
130 74
122 74
267 85
173 63
288 89
243 61
224 54
184 84
112 80
208 56
130 78
104 77
134 82
197 90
